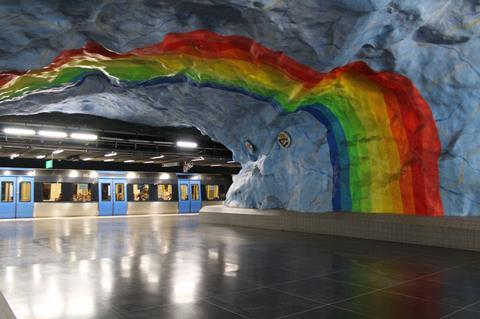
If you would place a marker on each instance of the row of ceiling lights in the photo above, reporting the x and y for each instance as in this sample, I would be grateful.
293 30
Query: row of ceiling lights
112 154
49 134
75 136
79 136
94 174
15 155
58 151
126 161
89 137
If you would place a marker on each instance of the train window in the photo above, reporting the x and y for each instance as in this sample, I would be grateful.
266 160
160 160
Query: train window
213 192
106 192
25 191
7 191
52 192
82 192
183 191
164 191
195 192
119 192
141 192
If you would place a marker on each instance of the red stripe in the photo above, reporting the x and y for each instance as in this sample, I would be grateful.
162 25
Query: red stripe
206 44
423 141
8 76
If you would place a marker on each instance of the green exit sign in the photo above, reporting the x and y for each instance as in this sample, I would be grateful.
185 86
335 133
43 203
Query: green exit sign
49 164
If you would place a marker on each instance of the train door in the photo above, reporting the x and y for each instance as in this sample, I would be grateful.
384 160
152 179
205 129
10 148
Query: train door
112 197
24 197
16 197
105 203
183 196
120 197
7 197
189 196
196 197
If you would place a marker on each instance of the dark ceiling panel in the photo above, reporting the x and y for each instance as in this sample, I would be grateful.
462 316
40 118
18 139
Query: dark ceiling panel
139 143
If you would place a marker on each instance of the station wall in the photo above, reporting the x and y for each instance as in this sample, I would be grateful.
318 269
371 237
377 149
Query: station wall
362 140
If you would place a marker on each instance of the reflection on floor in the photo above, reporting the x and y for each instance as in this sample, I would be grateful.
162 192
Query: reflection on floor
174 267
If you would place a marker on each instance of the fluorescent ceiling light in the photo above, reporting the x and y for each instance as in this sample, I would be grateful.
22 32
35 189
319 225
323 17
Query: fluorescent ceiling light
84 136
18 131
164 176
57 151
87 159
157 157
148 162
55 134
110 154
73 174
41 156
15 155
109 160
170 164
198 159
186 144
129 161
215 165
231 162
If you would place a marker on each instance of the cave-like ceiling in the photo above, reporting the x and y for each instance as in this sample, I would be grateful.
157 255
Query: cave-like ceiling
429 49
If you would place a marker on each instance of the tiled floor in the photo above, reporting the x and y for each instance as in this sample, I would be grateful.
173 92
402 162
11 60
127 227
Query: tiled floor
174 267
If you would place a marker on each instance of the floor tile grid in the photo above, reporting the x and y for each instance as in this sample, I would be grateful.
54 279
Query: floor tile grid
77 245
410 296
353 262
333 304
428 275
272 287
280 283
256 284
117 313
260 286
463 308
384 289
323 306
226 309
206 299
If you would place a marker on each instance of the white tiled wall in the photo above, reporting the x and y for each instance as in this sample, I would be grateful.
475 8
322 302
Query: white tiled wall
449 232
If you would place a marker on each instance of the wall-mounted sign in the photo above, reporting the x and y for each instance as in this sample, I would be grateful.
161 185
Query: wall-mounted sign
249 146
49 164
284 139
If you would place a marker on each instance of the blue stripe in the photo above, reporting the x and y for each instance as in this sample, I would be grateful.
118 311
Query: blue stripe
341 197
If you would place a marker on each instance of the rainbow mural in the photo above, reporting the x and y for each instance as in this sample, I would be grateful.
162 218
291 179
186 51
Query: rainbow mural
383 141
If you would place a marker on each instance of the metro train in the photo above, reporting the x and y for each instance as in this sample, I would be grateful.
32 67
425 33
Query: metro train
30 193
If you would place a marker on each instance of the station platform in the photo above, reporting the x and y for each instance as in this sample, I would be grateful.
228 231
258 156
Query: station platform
446 232
173 266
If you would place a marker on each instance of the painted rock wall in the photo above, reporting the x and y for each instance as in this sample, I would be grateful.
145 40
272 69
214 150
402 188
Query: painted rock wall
432 43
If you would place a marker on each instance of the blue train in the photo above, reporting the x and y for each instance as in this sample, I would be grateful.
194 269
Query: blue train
30 193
